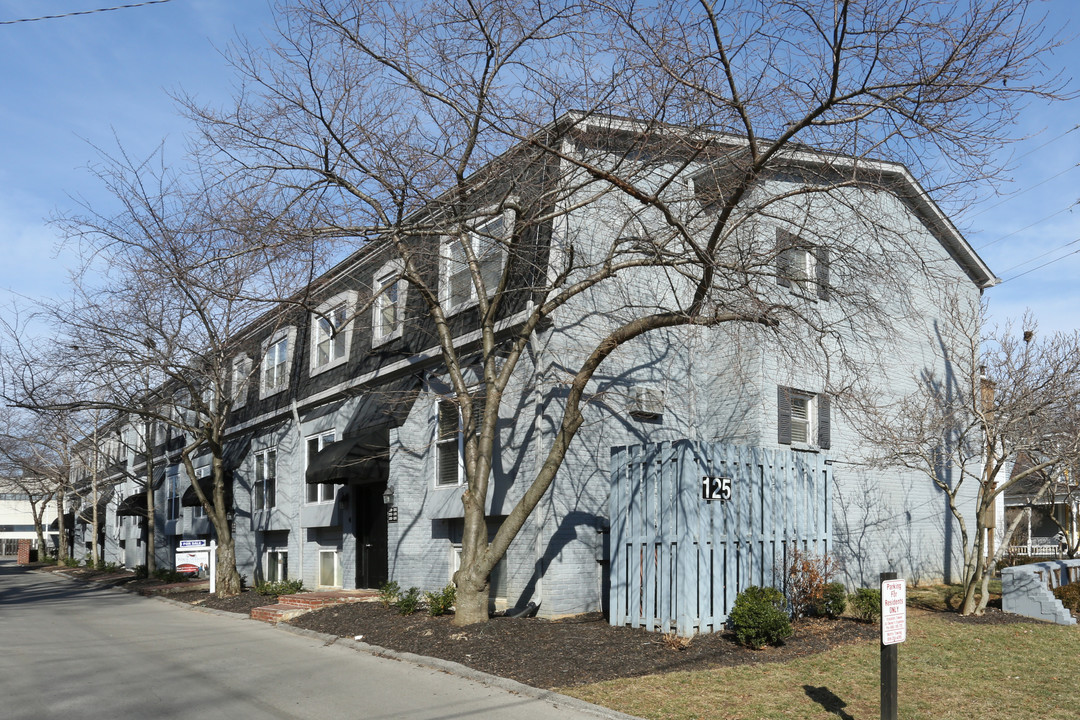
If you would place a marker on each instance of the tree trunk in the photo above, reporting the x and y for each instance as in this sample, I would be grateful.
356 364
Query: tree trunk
471 602
61 530
94 549
151 556
229 582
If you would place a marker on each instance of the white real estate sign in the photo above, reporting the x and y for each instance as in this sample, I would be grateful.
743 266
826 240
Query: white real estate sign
893 612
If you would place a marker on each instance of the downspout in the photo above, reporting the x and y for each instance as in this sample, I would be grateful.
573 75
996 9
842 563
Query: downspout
303 481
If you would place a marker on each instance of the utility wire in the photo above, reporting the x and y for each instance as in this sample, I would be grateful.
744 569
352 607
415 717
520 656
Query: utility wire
1027 189
1038 257
84 12
1024 155
1053 139
1029 226
1040 267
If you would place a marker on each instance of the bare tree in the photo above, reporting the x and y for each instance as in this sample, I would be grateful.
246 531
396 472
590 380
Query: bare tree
417 126
1001 415
26 469
166 285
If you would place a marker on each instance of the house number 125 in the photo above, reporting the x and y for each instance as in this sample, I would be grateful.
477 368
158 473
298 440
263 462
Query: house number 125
715 488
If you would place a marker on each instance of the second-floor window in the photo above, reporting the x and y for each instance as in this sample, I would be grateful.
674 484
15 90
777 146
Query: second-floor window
458 288
331 332
265 479
172 500
238 380
319 492
802 266
329 336
389 306
275 366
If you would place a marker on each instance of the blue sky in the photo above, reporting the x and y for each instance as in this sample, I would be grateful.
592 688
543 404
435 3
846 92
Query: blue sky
73 82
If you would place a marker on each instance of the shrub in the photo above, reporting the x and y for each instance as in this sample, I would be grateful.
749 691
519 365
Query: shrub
71 562
279 587
409 601
758 618
833 601
169 576
439 603
141 572
1069 595
389 592
866 604
807 575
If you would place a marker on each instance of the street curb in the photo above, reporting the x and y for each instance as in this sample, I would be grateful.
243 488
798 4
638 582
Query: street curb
447 666
454 668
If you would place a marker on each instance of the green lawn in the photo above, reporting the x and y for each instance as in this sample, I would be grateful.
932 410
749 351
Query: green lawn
947 670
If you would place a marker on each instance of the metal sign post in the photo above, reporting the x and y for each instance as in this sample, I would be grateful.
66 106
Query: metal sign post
893 632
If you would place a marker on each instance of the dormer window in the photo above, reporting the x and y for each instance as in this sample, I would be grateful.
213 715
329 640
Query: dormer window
275 359
388 309
276 362
486 240
241 369
331 332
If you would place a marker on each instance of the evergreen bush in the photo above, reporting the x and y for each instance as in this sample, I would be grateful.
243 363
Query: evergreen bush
409 601
833 601
440 603
389 592
866 604
758 617
280 587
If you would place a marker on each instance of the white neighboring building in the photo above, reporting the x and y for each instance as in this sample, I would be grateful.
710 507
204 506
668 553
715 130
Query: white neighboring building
17 522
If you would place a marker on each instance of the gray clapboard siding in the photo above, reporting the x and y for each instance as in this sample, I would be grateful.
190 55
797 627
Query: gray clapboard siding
677 561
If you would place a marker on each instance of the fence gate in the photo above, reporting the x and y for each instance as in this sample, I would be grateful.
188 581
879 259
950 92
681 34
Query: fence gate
693 524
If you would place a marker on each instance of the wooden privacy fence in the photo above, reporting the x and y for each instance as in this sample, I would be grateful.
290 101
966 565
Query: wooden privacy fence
693 524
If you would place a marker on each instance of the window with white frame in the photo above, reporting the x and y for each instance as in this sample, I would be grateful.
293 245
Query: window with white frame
276 362
486 241
331 332
803 418
388 309
450 443
329 568
319 492
265 479
181 403
199 511
277 565
172 498
802 266
238 380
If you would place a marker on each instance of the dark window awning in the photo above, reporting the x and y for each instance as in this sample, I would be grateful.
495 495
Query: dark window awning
87 513
360 459
69 521
191 499
232 454
133 505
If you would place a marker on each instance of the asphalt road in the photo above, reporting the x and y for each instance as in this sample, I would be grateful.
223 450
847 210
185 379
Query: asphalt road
69 650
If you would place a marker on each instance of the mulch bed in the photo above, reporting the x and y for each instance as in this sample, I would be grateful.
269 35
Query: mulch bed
574 651
558 653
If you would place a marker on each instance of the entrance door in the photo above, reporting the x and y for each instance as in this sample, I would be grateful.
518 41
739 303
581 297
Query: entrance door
371 565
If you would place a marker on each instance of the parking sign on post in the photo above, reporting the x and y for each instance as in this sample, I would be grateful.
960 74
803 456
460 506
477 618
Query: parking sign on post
893 612
893 632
